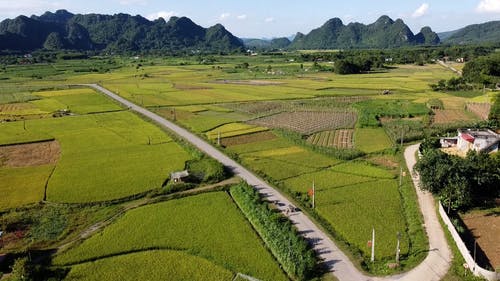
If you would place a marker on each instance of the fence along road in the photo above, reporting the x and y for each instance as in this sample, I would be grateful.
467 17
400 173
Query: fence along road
433 268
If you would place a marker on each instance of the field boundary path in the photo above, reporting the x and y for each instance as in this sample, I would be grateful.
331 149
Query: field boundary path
434 266
442 63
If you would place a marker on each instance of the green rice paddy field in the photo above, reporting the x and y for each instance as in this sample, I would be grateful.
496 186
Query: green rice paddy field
104 156
207 231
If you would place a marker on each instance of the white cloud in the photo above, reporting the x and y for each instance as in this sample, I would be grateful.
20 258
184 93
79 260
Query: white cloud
421 11
488 6
161 14
224 16
270 19
242 17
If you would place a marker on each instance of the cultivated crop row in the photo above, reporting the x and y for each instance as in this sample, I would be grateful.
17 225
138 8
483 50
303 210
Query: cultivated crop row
339 138
480 109
308 122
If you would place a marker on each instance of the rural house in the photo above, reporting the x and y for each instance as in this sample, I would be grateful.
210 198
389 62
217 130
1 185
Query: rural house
178 177
481 140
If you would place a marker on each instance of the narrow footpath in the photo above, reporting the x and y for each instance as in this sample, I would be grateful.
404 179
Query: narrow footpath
434 266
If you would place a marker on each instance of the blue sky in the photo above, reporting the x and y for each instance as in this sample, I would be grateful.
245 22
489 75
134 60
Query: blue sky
274 18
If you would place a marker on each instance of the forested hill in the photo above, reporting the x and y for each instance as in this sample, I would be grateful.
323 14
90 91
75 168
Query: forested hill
488 32
115 33
384 33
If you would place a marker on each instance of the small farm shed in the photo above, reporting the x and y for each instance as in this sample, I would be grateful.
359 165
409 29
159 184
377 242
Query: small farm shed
181 176
448 142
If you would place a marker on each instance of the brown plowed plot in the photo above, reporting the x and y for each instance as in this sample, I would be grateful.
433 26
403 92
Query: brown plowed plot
480 109
308 122
443 116
249 138
31 154
11 107
485 226
338 138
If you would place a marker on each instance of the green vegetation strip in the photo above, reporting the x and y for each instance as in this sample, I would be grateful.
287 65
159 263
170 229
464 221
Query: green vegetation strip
291 250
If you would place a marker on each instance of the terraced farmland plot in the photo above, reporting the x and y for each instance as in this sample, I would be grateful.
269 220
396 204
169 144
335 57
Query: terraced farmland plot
193 225
443 116
21 186
337 138
371 139
295 155
150 265
363 169
308 122
480 109
103 156
234 129
260 145
18 109
248 138
276 169
355 209
208 120
324 180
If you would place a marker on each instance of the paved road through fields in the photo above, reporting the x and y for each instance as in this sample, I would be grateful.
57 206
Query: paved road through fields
434 266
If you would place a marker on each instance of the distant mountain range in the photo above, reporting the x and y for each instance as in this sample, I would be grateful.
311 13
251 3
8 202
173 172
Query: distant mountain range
120 32
473 34
384 33
123 32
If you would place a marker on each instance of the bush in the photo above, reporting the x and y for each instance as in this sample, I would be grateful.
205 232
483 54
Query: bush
290 249
206 170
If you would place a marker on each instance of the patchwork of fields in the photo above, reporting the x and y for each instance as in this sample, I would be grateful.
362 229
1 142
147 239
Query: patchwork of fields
345 191
294 129
103 156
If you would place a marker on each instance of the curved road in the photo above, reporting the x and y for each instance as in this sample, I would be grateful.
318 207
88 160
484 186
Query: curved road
434 266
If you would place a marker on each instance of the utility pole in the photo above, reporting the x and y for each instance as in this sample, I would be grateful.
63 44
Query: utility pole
397 247
373 245
400 176
402 135
314 196
218 138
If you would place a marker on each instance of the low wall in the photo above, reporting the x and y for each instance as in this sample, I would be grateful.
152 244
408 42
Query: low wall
469 260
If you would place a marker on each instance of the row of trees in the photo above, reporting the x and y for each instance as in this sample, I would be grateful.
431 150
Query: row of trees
290 249
461 183
483 70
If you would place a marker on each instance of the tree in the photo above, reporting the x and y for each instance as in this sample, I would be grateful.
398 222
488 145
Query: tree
345 67
467 182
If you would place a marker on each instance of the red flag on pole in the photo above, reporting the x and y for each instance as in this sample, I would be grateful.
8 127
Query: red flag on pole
310 192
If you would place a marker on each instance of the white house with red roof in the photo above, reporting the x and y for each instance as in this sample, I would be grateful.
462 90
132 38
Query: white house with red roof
481 140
